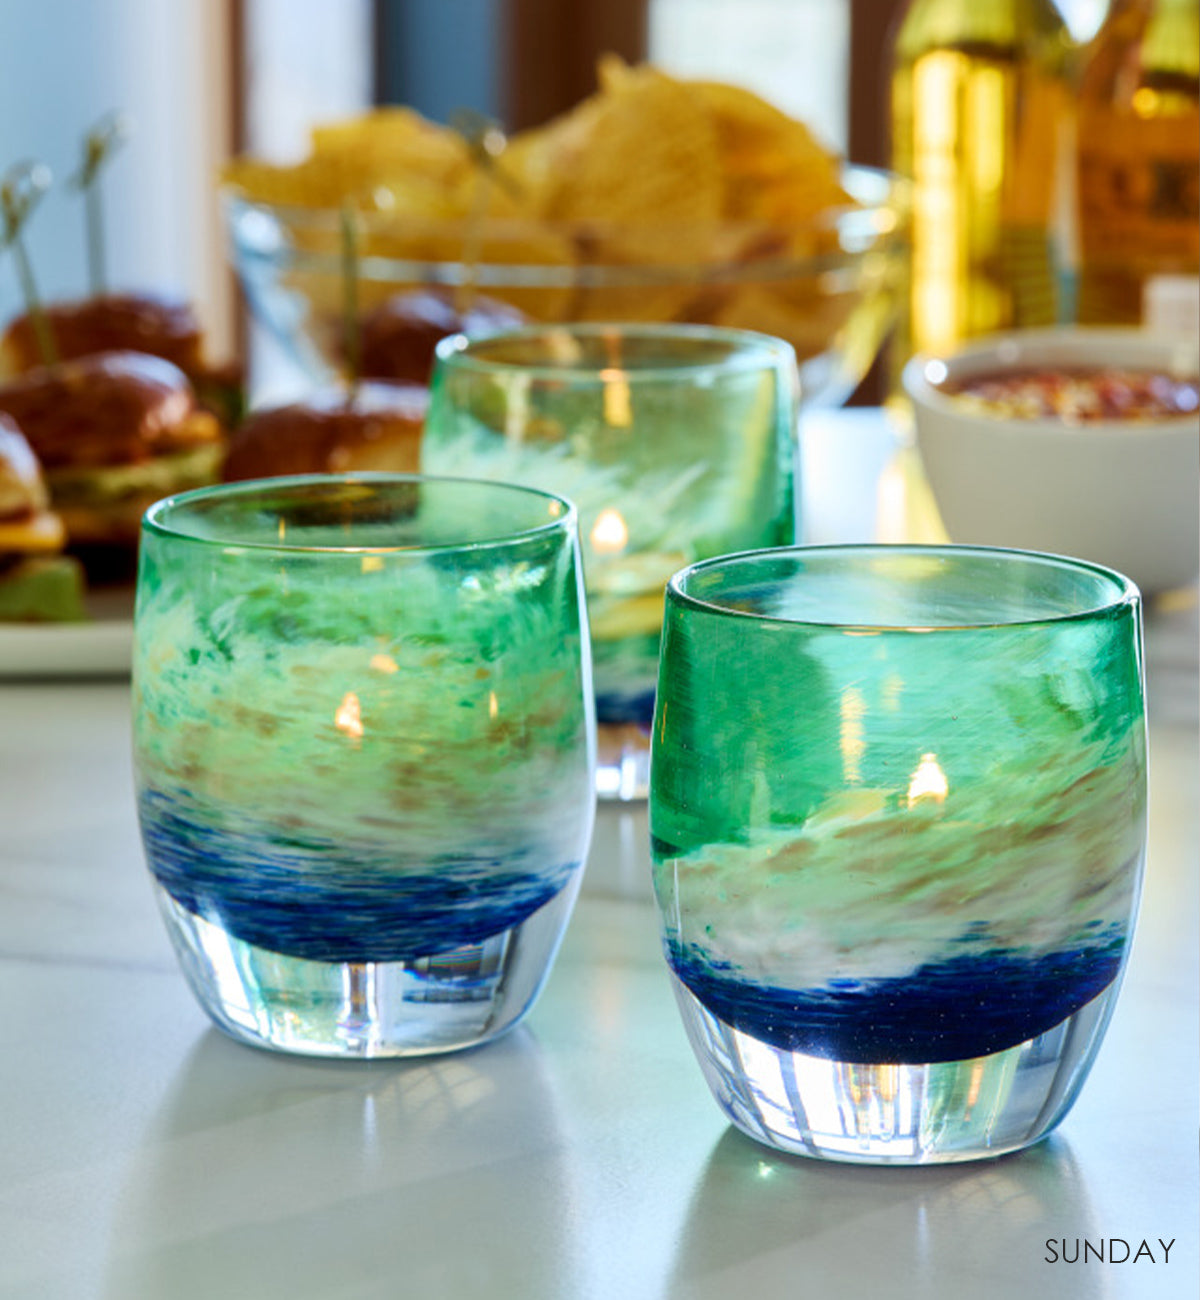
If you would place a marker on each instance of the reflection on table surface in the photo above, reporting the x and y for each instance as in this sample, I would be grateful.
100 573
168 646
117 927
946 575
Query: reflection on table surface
146 1157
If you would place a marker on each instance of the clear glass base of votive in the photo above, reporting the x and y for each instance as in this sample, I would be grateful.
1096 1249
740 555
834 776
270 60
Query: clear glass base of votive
896 1114
622 761
364 1010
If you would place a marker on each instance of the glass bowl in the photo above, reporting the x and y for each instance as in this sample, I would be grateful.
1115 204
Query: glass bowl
829 288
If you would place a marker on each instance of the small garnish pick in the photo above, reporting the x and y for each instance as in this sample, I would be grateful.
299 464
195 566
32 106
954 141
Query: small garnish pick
21 191
485 142
351 346
99 145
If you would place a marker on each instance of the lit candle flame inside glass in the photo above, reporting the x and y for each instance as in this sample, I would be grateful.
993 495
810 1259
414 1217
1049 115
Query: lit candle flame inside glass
618 409
348 717
609 534
928 781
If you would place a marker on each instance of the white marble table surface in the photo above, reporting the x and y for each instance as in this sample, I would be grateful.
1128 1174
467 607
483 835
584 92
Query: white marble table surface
143 1156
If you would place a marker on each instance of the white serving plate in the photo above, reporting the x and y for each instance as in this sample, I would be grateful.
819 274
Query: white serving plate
101 647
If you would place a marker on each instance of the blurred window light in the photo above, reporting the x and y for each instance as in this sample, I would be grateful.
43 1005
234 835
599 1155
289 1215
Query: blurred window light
307 61
1083 17
794 53
165 66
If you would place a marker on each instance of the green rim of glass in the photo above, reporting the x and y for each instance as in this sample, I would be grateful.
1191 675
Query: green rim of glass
749 350
155 519
1124 591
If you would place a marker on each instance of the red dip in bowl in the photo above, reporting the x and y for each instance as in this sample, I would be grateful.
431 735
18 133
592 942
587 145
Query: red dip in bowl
1079 395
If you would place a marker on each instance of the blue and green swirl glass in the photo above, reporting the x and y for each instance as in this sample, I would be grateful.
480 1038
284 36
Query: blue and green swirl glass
897 810
364 750
674 442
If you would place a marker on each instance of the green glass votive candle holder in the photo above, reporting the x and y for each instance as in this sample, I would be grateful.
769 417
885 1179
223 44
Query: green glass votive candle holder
897 812
364 753
674 442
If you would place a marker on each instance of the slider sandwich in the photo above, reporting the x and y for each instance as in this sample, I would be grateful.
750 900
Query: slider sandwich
374 426
398 338
38 583
114 432
128 322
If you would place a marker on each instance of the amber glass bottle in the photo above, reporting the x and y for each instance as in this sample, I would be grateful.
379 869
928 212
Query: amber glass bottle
1139 167
980 102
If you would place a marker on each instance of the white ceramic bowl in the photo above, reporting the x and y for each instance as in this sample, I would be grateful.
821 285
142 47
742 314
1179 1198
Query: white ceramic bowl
1120 493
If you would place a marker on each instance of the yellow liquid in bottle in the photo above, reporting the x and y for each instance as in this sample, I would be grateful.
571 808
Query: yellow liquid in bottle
979 116
1138 161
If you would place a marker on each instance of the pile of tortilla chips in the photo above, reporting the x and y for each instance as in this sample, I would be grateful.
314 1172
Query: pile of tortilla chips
679 187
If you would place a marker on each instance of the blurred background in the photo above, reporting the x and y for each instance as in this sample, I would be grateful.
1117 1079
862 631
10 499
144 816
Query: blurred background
204 80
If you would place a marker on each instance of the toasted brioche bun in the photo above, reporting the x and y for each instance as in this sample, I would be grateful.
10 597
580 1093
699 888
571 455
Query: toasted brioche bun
22 491
398 338
37 582
377 427
27 525
114 322
114 432
153 323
